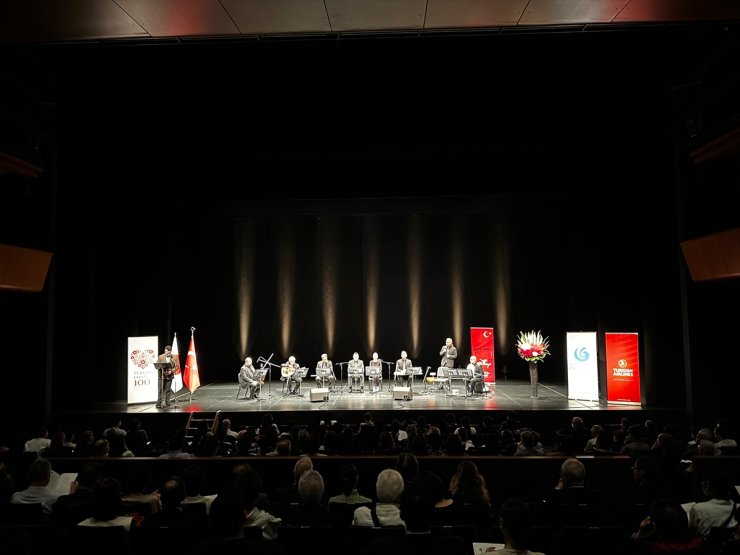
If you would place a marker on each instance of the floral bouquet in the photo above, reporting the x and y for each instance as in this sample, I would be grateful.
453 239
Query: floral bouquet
531 346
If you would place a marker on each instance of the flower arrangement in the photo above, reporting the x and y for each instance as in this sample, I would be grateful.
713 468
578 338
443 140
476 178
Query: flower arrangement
531 346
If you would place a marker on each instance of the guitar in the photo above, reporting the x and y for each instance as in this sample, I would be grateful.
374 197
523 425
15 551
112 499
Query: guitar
286 370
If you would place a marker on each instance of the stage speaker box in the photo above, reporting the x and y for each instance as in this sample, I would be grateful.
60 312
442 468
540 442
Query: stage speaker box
401 393
319 394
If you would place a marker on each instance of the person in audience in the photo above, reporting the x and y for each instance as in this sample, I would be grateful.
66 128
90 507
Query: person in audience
75 506
407 465
86 446
349 477
140 488
387 511
263 500
171 495
515 521
229 518
311 510
289 494
39 490
719 509
250 481
417 512
725 443
194 478
579 432
649 481
590 445
137 438
105 506
467 485
7 485
571 487
58 447
528 445
38 442
665 530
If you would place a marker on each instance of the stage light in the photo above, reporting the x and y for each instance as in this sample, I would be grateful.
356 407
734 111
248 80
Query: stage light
285 292
414 260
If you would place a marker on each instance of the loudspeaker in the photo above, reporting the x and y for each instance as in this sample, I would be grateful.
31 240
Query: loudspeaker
401 393
23 269
713 257
319 394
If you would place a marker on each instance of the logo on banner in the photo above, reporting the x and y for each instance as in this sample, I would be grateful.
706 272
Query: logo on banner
581 354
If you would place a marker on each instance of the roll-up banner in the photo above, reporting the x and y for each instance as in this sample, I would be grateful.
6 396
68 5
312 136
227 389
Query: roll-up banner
583 367
622 368
142 376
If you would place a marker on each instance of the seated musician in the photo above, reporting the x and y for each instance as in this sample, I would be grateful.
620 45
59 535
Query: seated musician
248 378
325 372
356 373
403 370
476 377
289 373
375 373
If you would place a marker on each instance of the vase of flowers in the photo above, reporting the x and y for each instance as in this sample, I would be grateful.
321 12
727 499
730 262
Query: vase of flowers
533 348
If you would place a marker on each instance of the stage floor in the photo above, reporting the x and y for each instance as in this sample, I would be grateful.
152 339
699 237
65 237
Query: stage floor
507 395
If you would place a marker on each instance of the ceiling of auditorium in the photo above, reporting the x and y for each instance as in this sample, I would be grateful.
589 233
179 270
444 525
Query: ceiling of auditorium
53 21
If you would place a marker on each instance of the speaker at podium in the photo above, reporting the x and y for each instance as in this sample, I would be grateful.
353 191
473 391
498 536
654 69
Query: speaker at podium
319 394
402 393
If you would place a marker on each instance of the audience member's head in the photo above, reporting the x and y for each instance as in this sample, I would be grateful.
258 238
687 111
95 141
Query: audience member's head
515 520
311 487
389 486
572 473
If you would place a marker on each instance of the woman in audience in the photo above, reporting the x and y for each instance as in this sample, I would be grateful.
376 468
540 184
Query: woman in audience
467 485
105 506
515 521
349 478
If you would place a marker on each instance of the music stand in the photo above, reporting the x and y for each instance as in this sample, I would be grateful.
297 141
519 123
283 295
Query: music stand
324 374
353 374
163 367
372 372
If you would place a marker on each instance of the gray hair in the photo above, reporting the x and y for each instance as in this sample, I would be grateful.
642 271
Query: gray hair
389 486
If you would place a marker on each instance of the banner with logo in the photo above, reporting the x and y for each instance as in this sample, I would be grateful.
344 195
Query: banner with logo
481 345
622 368
583 367
142 376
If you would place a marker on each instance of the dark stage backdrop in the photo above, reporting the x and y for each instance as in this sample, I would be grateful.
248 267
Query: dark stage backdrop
381 274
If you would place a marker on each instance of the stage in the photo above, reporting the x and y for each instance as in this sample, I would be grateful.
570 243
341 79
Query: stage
504 396
550 411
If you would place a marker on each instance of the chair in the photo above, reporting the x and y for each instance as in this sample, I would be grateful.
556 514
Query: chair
93 540
22 513
343 513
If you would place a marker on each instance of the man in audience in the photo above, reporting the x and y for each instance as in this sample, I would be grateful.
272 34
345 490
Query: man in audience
39 476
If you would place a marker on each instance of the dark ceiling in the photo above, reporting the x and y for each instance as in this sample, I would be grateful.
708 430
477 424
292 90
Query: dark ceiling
44 21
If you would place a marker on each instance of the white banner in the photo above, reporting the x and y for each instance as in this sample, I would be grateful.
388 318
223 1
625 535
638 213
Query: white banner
143 386
583 367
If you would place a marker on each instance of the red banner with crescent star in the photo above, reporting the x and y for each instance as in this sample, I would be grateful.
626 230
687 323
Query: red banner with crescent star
481 346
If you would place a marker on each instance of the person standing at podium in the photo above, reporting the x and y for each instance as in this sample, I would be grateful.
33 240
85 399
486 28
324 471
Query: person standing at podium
403 368
165 396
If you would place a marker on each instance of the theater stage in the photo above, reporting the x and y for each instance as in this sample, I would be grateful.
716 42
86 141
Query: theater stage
552 409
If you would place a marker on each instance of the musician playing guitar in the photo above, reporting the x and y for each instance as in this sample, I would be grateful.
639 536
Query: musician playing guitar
166 396
289 373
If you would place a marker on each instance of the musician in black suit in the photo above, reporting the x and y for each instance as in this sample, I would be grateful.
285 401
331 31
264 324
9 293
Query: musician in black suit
248 378
325 372
403 368
375 374
165 396
289 372
448 354
356 373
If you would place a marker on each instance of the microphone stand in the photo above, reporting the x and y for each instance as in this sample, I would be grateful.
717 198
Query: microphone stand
341 377
390 384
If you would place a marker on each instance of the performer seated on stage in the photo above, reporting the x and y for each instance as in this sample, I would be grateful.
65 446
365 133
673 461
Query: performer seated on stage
477 377
248 379
375 373
356 373
325 372
403 367
289 374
